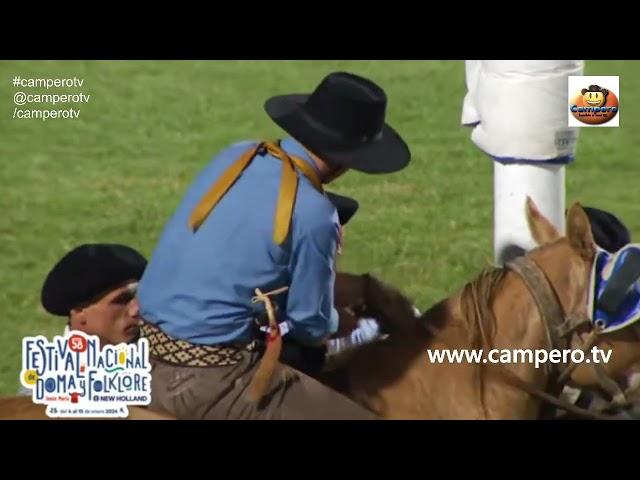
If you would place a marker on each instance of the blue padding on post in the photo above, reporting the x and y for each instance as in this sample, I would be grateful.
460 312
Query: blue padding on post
567 159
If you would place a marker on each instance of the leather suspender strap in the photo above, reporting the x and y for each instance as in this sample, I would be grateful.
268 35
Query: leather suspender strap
286 196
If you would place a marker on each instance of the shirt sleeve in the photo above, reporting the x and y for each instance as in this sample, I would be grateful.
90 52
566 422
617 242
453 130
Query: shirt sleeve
311 312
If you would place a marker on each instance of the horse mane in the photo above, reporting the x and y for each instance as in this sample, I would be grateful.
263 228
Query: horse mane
394 309
391 307
476 300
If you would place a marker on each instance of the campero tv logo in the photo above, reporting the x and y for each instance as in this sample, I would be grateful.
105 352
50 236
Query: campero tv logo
594 101
76 377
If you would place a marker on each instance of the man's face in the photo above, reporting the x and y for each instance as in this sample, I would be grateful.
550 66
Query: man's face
113 317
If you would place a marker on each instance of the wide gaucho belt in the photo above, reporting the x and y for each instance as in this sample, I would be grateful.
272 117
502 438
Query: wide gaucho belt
185 354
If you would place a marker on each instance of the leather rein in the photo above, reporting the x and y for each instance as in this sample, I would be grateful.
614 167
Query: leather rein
559 329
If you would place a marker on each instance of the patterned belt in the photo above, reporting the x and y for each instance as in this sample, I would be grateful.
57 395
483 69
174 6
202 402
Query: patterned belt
185 354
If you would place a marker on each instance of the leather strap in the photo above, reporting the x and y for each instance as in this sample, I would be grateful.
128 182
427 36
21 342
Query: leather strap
262 377
548 304
517 382
609 385
220 188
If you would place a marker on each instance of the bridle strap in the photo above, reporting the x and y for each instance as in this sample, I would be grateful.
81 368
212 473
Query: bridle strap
609 385
517 382
591 340
619 398
545 297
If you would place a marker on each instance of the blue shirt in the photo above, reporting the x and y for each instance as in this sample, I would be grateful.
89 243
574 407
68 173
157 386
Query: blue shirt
198 286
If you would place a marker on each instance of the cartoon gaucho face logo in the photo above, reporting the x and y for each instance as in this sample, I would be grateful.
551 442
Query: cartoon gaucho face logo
594 105
594 96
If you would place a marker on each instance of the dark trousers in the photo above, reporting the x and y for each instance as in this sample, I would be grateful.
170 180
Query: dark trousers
217 393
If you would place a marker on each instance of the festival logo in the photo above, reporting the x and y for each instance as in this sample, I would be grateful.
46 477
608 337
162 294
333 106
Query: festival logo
594 101
76 377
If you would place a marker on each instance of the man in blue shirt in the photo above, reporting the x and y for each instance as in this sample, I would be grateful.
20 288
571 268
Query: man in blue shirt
257 217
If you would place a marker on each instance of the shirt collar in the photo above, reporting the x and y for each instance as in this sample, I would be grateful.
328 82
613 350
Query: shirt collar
293 147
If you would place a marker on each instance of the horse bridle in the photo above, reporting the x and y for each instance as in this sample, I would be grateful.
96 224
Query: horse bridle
559 330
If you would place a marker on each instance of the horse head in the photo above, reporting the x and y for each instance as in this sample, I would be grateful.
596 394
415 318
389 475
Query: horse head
567 262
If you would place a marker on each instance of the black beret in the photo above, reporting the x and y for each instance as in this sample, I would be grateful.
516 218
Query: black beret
346 206
87 271
608 231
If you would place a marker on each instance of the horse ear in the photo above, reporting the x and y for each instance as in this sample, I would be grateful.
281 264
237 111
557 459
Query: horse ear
542 230
579 232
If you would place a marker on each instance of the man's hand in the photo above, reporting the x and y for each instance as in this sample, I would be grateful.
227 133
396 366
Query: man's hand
368 330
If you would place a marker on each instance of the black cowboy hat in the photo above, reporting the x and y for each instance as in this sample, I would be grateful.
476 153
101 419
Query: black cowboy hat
608 230
346 206
343 123
87 271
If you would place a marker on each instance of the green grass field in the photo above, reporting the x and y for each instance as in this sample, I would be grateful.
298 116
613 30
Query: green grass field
116 173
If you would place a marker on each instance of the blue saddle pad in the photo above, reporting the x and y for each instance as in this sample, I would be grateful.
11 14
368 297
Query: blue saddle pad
614 293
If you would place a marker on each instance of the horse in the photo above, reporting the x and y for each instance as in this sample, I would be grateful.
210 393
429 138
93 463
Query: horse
536 303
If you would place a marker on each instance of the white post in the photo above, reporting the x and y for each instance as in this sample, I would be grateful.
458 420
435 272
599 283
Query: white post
518 111
545 184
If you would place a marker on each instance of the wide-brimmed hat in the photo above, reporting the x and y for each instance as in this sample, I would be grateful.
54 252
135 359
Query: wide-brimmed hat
343 123
345 206
86 271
